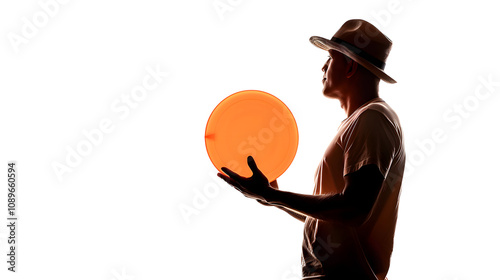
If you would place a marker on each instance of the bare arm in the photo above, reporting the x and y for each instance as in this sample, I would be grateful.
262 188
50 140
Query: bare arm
353 206
296 215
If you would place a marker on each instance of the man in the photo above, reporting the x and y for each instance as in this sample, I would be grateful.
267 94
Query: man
350 220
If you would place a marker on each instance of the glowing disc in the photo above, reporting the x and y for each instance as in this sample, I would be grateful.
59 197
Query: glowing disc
255 123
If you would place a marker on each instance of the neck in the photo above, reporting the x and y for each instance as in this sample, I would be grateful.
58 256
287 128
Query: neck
357 97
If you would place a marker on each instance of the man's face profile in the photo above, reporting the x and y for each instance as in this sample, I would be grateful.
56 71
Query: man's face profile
333 69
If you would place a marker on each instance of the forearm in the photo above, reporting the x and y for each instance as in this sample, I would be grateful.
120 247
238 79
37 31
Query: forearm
325 207
294 214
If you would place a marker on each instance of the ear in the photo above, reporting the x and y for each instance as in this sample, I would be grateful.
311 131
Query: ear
351 68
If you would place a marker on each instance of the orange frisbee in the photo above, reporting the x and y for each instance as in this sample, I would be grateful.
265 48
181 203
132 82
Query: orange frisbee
252 123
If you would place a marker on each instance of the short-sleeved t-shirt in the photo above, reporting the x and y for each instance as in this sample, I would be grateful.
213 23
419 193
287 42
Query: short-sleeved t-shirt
372 134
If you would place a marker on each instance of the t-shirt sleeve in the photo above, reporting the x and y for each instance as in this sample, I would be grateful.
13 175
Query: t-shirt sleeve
371 139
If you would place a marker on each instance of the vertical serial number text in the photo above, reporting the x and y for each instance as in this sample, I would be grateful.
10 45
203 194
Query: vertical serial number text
11 216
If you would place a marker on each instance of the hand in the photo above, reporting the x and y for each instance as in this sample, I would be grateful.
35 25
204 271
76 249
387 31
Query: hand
257 186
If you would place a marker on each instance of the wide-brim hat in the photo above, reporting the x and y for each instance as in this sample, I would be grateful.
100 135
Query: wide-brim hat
362 42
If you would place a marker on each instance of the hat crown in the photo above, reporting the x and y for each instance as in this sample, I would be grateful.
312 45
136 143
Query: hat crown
366 37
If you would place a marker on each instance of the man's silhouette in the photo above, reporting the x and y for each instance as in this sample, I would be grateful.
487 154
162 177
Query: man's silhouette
350 220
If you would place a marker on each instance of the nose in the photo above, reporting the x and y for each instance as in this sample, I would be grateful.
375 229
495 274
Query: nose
325 67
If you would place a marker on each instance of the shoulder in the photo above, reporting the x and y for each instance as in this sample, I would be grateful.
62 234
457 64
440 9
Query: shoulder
382 110
370 116
371 122
377 115
375 118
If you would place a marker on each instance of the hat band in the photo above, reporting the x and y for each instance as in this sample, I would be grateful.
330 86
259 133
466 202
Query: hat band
360 52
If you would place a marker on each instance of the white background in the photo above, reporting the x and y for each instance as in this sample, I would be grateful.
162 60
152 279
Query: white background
116 213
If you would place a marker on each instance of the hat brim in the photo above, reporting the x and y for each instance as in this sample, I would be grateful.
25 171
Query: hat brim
326 45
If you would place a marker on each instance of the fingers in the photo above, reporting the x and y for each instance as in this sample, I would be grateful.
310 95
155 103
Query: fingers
253 166
229 180
232 182
232 174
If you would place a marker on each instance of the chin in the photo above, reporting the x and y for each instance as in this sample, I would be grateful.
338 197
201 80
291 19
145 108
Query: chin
329 95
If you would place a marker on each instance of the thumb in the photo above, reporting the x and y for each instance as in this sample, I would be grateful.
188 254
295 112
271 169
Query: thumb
253 166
